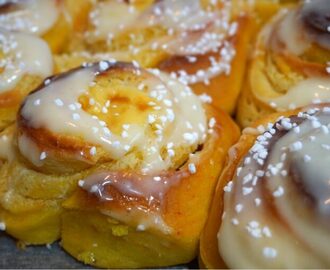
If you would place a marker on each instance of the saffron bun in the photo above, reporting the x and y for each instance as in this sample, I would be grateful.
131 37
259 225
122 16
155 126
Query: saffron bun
202 44
110 117
148 208
25 60
289 65
270 208
53 20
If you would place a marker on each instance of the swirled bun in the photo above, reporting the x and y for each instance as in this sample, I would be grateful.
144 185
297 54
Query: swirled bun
270 207
288 68
108 117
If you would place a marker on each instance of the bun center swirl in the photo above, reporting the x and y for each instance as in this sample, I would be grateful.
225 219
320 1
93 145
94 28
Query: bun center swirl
114 109
279 199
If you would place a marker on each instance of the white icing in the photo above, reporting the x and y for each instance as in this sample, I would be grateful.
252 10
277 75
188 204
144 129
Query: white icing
315 173
72 122
151 187
30 16
175 105
292 34
308 91
30 150
182 14
23 54
111 17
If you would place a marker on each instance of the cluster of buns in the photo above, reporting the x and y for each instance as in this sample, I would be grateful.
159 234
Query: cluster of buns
115 130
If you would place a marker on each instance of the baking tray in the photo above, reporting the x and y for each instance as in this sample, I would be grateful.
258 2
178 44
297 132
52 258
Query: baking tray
42 257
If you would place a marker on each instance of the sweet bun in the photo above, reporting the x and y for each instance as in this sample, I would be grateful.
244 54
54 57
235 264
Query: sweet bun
270 208
288 68
148 198
119 118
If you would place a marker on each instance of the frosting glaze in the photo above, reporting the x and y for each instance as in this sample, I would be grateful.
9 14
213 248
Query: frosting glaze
108 19
290 33
131 184
308 91
151 189
22 54
28 16
147 191
278 200
175 117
